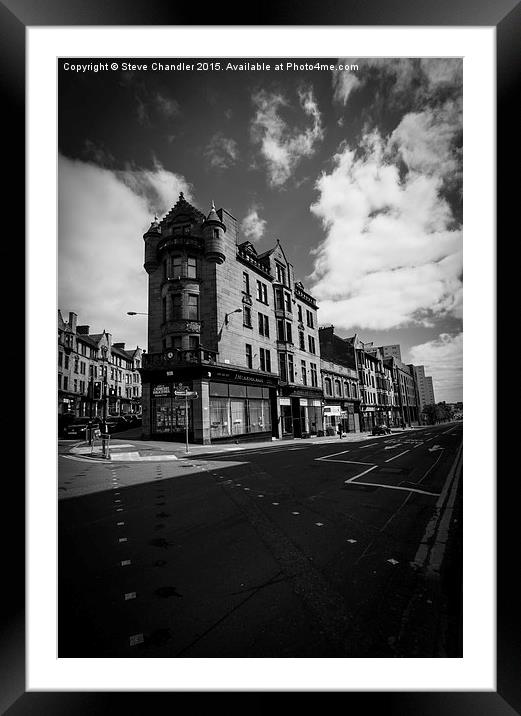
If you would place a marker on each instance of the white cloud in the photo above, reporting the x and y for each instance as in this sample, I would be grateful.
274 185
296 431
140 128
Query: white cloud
282 146
252 225
409 80
391 255
222 152
443 360
102 217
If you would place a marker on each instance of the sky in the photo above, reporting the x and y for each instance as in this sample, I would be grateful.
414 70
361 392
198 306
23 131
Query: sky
357 171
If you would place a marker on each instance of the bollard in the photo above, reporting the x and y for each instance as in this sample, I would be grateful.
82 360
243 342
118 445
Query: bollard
105 445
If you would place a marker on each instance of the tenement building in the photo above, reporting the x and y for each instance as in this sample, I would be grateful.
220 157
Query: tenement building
231 326
93 371
340 384
406 408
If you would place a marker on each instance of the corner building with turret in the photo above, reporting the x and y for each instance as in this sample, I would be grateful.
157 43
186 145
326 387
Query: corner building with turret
231 325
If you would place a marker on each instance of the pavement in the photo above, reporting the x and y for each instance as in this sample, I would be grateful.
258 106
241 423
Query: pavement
133 449
305 548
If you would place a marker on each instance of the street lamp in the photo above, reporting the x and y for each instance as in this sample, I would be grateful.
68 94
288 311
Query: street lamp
237 310
136 313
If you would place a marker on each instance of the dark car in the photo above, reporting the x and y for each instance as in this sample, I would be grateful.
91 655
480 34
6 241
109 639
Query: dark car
381 430
115 424
77 428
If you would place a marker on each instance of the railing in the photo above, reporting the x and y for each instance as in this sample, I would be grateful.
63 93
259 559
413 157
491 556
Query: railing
306 297
176 356
248 258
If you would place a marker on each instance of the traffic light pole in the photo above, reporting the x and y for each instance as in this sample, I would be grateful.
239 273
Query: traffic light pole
186 419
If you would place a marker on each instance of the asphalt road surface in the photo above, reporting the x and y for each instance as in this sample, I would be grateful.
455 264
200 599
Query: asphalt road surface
339 549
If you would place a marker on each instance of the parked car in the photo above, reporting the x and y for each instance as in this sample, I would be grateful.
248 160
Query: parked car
63 421
115 424
77 428
381 430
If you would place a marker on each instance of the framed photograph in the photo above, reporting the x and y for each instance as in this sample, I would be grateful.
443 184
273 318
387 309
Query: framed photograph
144 165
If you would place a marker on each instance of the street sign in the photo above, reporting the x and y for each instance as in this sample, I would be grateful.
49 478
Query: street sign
190 394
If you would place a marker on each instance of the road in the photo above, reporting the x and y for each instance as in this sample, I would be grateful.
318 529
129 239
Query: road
308 549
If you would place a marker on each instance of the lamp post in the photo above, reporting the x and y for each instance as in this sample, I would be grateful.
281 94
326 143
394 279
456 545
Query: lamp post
136 313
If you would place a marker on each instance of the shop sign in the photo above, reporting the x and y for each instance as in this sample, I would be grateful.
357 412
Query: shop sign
332 410
235 376
303 401
161 390
285 401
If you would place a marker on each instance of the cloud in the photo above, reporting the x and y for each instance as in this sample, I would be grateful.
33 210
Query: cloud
392 253
282 146
102 217
252 225
443 360
407 81
222 152
150 104
166 106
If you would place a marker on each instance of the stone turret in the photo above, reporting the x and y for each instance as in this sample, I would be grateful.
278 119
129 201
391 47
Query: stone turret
213 231
151 237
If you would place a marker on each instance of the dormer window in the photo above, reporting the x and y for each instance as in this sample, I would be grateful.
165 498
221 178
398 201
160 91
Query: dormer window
281 274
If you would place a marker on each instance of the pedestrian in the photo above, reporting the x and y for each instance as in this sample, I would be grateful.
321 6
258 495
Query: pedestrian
339 430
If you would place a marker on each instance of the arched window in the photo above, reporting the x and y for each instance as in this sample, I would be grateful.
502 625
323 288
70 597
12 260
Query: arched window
337 388
327 386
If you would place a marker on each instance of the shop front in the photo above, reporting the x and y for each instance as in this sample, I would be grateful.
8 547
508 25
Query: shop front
300 414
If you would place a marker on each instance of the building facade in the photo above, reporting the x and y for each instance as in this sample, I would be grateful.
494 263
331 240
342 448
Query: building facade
424 387
406 410
340 383
93 371
231 326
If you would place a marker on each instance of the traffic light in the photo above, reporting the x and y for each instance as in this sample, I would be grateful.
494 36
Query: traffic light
97 391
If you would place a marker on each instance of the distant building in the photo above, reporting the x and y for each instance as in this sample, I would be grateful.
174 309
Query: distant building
406 409
89 366
424 387
393 351
340 382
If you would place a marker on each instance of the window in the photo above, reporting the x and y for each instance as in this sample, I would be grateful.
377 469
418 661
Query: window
164 310
193 342
303 372
191 267
60 359
75 385
76 363
291 369
309 319
264 325
59 381
311 344
299 309
346 389
289 337
82 367
282 367
279 304
280 330
265 360
192 307
245 283
281 274
177 266
287 298
249 360
262 292
327 386
337 388
65 382
216 233
66 365
246 316
301 341
314 379
82 386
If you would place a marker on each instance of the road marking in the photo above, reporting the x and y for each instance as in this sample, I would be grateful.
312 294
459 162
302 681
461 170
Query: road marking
351 479
125 562
368 446
396 456
333 454
295 513
393 561
352 541
275 503
418 482
119 509
116 501
260 495
122 539
136 639
130 595
435 447
319 524
392 447
120 524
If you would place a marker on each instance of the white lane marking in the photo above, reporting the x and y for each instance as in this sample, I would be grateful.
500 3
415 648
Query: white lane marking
125 562
392 447
260 495
417 445
368 446
122 539
319 524
295 513
393 561
352 541
333 454
116 501
130 595
120 524
275 503
430 468
402 489
119 509
435 447
396 456
136 639
351 479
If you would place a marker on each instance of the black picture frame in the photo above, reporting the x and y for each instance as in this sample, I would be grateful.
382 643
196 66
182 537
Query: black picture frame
15 16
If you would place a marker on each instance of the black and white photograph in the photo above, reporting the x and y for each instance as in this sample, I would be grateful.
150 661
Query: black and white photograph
260 357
